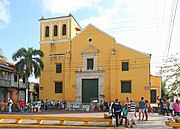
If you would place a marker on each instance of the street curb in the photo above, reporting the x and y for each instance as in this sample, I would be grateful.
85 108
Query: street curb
13 125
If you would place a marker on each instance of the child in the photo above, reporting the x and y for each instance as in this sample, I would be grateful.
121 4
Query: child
124 116
146 110
151 109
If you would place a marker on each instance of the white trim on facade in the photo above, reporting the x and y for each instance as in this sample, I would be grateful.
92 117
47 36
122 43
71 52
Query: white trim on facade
54 56
59 30
68 28
88 75
57 19
89 47
153 88
90 55
56 41
42 31
93 56
51 31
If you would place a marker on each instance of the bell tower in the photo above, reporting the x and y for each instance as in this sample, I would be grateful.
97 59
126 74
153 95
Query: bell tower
55 42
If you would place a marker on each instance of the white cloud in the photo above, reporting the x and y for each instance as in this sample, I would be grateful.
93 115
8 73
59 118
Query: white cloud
122 11
139 24
64 7
104 20
136 23
4 13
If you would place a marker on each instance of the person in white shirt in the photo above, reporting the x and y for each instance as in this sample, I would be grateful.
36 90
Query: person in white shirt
10 103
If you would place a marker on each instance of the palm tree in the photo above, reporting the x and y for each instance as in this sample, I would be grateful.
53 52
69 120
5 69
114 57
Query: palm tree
29 63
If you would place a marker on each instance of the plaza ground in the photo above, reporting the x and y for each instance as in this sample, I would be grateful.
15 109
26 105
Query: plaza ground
155 121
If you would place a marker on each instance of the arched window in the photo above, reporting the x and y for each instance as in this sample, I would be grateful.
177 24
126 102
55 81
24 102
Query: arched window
64 29
55 30
47 31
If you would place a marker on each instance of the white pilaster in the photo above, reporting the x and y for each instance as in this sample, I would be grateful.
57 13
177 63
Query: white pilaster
68 28
59 30
42 31
51 31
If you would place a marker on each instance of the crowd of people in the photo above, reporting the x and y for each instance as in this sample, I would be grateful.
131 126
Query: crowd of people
35 106
100 106
169 106
125 111
119 111
128 110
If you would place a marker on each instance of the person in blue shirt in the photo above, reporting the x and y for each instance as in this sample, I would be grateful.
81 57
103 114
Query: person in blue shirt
141 108
124 116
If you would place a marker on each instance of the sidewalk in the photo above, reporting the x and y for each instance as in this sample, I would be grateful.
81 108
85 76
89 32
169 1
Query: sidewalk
155 121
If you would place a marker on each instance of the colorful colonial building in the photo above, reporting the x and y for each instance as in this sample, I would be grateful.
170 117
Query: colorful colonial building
11 84
85 64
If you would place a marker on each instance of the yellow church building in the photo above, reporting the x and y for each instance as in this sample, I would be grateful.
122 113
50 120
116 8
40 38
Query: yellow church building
85 64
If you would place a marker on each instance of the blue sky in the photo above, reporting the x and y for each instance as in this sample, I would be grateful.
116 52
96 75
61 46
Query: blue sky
140 24
22 29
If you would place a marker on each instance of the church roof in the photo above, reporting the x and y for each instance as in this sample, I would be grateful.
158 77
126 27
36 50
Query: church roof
68 16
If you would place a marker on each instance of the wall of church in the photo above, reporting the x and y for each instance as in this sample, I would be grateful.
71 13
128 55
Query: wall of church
108 58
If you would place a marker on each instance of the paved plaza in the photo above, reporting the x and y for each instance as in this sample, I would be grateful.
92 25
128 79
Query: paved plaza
155 121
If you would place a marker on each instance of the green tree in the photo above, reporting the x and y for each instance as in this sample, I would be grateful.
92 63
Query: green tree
164 91
170 72
28 63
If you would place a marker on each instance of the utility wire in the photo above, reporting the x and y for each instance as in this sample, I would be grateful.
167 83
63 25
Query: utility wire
157 21
117 29
164 10
172 25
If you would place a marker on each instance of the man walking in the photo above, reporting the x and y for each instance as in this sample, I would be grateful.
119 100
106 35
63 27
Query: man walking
142 104
116 107
131 113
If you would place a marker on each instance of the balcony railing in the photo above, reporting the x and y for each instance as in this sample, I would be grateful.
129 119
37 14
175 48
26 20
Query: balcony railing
22 85
5 83
14 84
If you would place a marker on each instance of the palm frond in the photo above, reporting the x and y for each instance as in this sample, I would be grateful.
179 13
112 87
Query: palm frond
29 61
21 53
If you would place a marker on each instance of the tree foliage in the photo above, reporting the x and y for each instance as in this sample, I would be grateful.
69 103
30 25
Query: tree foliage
164 92
170 72
28 62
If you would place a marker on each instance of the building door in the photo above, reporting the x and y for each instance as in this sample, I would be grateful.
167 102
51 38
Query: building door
89 90
153 96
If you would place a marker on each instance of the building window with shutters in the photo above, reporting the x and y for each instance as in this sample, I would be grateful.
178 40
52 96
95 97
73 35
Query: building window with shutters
58 87
55 30
15 78
24 80
90 63
58 68
47 31
125 66
64 29
125 86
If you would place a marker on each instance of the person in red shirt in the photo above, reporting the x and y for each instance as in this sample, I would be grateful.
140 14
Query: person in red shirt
22 105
